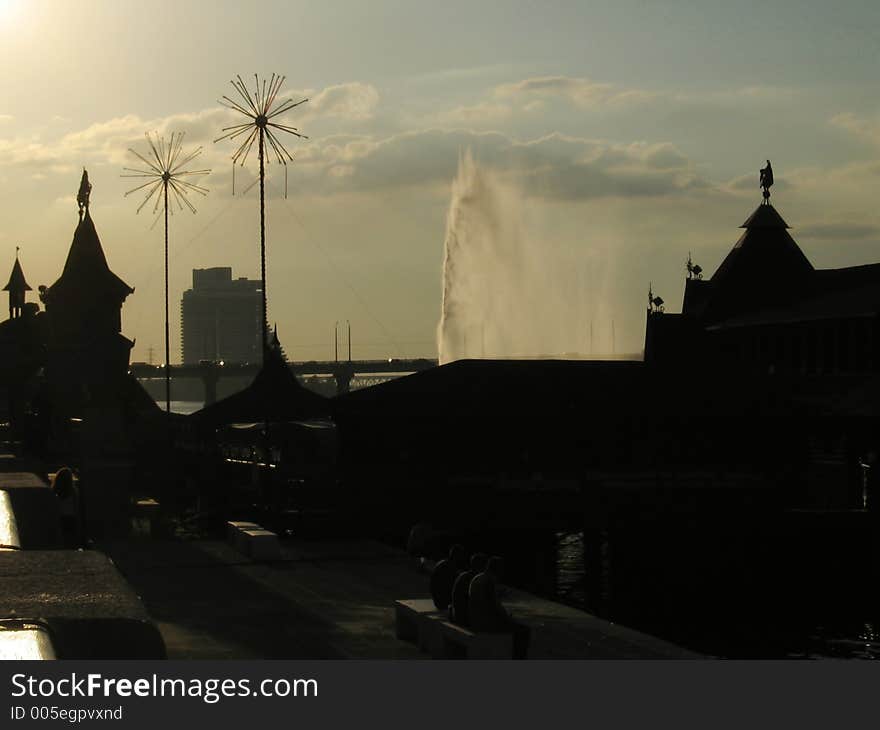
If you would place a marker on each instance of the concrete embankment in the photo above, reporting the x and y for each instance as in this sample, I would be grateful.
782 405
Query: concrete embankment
57 602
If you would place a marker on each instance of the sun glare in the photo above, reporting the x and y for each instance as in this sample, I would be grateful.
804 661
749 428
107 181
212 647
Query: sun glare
10 10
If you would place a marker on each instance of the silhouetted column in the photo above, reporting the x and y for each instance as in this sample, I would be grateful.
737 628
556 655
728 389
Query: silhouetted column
343 377
210 376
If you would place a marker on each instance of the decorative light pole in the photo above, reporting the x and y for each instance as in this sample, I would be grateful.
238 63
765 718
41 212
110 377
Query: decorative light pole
165 170
260 108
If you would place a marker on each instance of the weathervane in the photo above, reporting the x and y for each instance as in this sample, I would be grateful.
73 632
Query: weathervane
165 170
82 197
259 106
766 181
695 271
655 304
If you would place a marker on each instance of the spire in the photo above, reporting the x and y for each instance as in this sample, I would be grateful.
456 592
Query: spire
765 216
764 267
17 282
86 274
16 287
274 347
85 302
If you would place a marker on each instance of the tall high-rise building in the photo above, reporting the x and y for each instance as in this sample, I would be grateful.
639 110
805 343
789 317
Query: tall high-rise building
220 318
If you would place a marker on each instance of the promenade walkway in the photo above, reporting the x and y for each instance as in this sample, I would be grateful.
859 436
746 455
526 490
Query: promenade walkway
327 599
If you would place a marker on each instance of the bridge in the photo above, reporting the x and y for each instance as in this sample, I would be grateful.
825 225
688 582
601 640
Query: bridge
342 371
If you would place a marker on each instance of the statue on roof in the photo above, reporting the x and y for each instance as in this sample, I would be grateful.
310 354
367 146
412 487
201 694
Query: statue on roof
767 180
85 189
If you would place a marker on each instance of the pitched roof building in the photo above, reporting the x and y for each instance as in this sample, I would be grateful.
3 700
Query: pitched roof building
86 300
17 288
766 309
87 354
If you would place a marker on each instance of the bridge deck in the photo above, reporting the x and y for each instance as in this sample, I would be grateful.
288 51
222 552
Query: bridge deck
144 371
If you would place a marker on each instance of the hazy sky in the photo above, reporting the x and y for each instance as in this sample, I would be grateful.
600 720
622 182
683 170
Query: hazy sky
634 131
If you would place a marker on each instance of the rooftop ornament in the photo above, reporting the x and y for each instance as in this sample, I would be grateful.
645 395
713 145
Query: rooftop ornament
695 271
766 181
655 303
82 197
165 170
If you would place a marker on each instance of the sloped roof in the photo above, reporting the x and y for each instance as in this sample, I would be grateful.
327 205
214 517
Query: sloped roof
839 304
765 216
846 293
764 267
463 382
86 271
848 277
765 246
16 279
275 393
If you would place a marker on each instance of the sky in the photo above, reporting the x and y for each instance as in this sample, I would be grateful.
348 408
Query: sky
633 133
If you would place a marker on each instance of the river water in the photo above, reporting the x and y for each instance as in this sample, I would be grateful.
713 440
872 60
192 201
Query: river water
184 407
857 637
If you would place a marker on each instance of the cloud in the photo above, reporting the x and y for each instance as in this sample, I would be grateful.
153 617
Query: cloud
588 94
840 230
486 112
29 152
353 101
741 96
751 183
867 129
109 141
554 166
581 92
851 179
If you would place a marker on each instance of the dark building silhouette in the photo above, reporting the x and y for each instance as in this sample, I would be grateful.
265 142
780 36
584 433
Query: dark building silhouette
89 411
17 288
87 354
767 310
22 346
766 382
220 318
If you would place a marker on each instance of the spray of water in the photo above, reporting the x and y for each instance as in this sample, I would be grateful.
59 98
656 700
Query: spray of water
506 291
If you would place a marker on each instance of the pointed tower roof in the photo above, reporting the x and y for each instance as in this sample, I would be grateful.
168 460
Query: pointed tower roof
86 271
766 245
274 394
764 267
17 281
765 216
